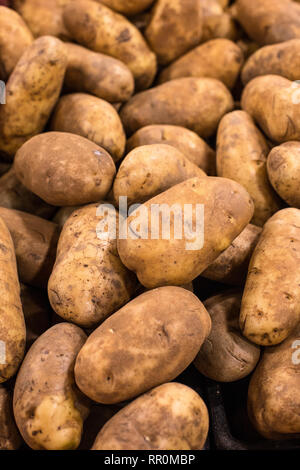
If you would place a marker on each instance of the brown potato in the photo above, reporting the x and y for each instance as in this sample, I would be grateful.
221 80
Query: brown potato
92 118
102 30
169 417
195 103
188 142
31 93
127 7
35 241
226 355
270 308
48 408
9 436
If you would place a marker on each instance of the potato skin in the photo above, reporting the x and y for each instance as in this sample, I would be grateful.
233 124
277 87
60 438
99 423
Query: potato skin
152 340
270 306
219 58
79 113
195 103
242 157
12 325
169 417
216 22
14 38
127 7
48 408
9 436
102 30
284 172
273 395
31 93
64 169
150 170
226 355
88 282
227 210
63 214
188 142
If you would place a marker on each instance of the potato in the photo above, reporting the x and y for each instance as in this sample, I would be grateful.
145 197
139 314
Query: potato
88 282
97 74
102 30
64 169
155 337
63 214
232 265
14 38
9 436
273 396
31 92
226 355
35 241
274 104
127 7
219 58
177 257
92 118
12 325
284 172
242 157
195 103
150 170
48 408
278 59
174 28
269 22
190 144
271 302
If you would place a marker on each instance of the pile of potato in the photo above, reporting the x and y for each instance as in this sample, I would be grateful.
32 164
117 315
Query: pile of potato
176 103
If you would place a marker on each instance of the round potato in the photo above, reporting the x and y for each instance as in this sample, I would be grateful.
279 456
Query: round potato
127 7
9 436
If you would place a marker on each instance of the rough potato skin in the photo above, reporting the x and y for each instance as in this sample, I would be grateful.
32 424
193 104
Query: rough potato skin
188 142
219 58
9 436
157 262
88 282
195 103
278 59
226 355
97 74
150 170
14 38
242 156
270 306
149 341
273 395
232 265
102 30
92 118
169 417
273 103
35 241
31 93
48 408
12 325
127 7
64 169
284 172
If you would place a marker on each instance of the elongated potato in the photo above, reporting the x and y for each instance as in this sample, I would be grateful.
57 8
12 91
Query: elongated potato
48 408
171 416
271 302
92 118
150 170
102 30
14 38
178 249
188 142
219 58
242 157
127 7
35 241
88 282
150 336
31 92
195 103
12 325
9 436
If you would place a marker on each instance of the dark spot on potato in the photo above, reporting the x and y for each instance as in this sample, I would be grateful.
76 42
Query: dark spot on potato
124 36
